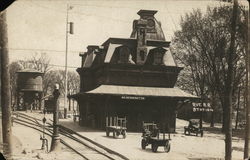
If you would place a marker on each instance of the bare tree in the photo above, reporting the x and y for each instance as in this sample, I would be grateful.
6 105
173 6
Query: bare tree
73 82
211 46
14 67
50 79
40 62
57 76
202 45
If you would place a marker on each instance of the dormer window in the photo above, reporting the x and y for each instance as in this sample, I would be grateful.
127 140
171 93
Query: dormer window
158 56
84 56
124 53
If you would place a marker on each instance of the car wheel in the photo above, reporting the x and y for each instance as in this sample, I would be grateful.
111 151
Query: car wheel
143 144
154 147
114 134
124 134
167 147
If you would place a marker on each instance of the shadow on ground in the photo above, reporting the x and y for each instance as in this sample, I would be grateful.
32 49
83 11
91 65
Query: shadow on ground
207 158
76 128
239 133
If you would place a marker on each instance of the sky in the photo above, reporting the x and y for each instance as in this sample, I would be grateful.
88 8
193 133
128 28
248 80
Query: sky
39 26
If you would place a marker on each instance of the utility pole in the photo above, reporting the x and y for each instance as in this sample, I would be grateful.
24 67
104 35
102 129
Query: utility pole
5 88
55 144
68 30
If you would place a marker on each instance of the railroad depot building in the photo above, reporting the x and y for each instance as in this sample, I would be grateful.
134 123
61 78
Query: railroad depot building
132 78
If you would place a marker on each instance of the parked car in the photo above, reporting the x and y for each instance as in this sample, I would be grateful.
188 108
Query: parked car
193 127
150 135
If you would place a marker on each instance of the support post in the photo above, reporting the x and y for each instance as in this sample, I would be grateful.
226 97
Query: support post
69 104
55 144
110 122
65 113
107 121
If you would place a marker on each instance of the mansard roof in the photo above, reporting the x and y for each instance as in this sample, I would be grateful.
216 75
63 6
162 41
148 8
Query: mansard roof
154 38
112 44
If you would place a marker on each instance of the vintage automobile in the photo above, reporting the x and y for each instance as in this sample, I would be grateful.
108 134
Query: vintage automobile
193 127
117 126
151 135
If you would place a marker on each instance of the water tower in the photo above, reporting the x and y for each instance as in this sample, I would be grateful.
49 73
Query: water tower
29 89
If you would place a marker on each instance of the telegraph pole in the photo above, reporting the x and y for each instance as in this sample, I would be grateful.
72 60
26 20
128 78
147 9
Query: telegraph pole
68 30
5 88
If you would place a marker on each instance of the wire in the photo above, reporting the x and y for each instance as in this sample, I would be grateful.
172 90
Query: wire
102 6
85 14
42 50
54 65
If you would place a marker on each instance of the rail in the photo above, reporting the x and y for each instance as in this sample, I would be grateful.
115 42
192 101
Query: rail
34 123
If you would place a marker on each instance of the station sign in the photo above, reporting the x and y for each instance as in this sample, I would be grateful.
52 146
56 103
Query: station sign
198 107
133 97
199 104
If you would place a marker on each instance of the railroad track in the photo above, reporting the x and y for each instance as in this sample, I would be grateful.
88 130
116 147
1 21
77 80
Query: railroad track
81 145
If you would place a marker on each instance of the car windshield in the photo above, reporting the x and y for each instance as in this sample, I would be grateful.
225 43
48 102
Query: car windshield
150 127
194 122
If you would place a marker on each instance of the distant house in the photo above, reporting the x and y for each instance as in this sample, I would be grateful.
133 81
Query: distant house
132 78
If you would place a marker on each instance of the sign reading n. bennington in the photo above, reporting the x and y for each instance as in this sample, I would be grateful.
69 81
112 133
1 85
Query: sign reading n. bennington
133 97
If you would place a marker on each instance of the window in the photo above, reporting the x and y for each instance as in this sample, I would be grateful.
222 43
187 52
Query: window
142 55
124 53
158 56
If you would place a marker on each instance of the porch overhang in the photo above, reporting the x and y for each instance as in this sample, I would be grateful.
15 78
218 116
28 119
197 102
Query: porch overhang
137 92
